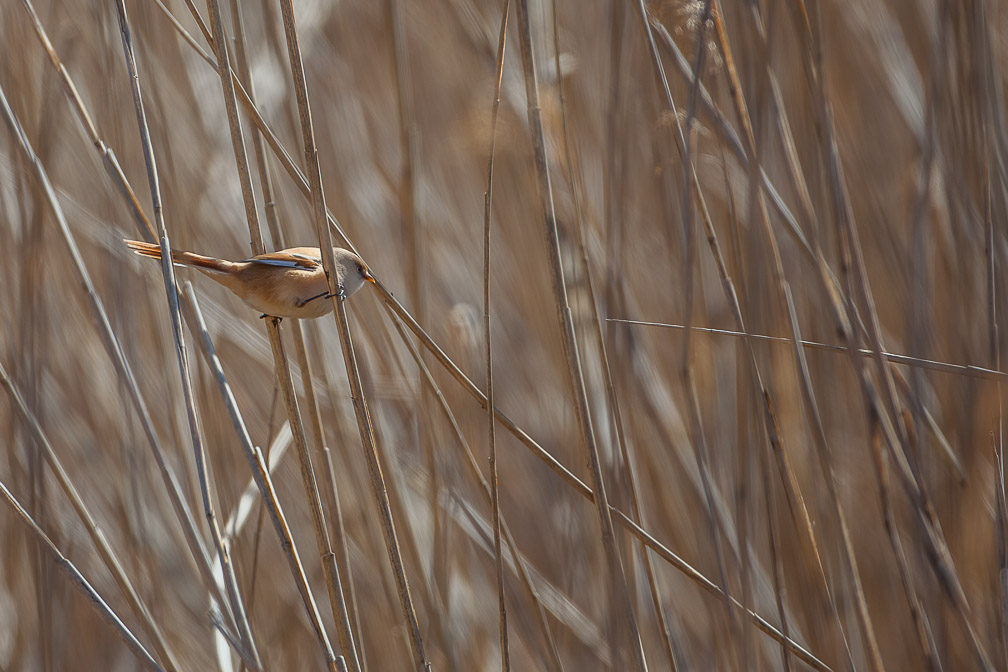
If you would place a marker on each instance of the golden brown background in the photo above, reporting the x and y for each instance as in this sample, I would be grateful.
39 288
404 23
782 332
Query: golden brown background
880 129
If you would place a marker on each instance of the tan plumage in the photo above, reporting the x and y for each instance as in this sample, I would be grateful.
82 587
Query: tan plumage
286 283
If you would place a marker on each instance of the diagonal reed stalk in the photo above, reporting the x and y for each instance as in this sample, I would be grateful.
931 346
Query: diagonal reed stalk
619 591
273 505
356 389
600 343
393 306
324 546
78 579
345 631
237 604
101 544
969 370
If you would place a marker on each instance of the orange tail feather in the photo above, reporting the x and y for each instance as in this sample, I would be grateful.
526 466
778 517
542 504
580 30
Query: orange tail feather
153 251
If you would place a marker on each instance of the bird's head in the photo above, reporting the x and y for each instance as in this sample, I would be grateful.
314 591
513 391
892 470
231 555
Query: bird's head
351 270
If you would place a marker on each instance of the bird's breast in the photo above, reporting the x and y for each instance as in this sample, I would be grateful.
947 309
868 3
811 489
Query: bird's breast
286 292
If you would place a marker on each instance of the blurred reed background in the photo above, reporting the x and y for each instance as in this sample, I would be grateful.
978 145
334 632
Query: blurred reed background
837 174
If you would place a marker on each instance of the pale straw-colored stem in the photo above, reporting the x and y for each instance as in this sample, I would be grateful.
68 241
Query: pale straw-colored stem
168 273
619 591
319 212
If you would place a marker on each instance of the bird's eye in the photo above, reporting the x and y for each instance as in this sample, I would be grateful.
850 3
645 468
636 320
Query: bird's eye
360 269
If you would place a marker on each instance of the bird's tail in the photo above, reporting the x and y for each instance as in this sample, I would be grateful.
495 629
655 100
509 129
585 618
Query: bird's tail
179 257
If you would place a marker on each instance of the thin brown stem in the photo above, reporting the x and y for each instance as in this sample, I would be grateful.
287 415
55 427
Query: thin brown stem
491 436
78 579
363 421
237 604
620 592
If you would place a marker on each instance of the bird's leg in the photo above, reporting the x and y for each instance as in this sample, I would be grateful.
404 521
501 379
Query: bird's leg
304 302
341 295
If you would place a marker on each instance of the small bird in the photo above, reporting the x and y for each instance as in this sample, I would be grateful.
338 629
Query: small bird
286 283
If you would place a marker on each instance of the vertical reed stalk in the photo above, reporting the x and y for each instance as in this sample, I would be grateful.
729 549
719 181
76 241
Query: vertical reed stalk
326 556
356 389
491 436
168 272
620 593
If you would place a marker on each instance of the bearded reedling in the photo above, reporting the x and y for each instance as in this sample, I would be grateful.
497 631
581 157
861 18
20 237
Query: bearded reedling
286 283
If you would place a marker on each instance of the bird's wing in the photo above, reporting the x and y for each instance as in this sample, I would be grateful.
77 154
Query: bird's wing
287 259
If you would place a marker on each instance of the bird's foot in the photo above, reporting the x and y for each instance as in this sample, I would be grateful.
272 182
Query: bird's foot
264 316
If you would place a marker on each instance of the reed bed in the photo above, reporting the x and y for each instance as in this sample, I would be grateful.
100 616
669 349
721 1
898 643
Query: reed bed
684 351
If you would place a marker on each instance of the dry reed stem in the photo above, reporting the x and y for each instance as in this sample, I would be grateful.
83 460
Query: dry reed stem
380 493
552 661
491 436
326 556
620 593
1001 537
611 398
409 144
336 516
82 583
260 471
922 625
394 306
774 543
363 421
101 544
342 573
417 259
686 139
237 605
173 490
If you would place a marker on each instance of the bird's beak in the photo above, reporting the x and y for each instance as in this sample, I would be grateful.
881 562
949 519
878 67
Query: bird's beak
370 278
